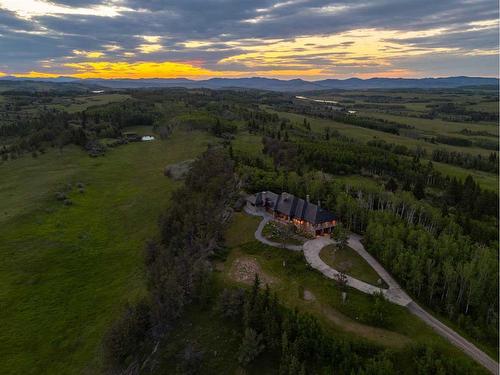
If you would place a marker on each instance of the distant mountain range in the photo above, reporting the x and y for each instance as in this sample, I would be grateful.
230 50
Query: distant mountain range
259 83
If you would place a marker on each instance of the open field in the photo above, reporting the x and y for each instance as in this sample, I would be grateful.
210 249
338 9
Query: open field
416 102
486 180
67 271
365 135
81 103
437 126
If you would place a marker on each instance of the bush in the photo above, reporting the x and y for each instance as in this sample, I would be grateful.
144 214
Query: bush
60 196
230 303
251 347
127 335
190 360
378 314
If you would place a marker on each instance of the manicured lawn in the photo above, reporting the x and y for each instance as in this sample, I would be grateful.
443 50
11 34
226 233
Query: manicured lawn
351 263
67 271
241 229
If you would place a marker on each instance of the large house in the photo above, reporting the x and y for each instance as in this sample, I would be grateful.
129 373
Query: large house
306 216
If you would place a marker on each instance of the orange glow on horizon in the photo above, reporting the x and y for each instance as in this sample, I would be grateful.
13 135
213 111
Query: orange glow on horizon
165 69
35 74
134 70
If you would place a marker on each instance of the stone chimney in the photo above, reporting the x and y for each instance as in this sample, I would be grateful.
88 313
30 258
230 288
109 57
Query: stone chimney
307 198
319 203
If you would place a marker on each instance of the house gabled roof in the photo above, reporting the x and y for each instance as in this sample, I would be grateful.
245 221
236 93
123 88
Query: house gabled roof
267 198
293 207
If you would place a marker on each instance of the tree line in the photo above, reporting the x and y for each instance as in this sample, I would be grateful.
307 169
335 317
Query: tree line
178 265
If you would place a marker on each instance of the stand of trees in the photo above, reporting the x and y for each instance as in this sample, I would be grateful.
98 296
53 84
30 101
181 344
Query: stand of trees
53 128
301 346
453 275
478 162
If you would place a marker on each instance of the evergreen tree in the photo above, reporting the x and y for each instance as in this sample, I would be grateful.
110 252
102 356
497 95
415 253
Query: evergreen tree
340 235
418 189
391 185
251 347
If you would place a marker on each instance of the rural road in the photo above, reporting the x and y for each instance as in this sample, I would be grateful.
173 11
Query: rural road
394 293
453 337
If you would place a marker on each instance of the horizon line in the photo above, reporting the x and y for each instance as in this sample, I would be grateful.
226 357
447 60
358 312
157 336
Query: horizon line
14 77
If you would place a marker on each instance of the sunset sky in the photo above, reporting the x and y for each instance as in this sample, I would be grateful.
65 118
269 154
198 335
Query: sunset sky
199 39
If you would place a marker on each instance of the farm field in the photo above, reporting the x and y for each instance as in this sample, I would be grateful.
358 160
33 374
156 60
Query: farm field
67 271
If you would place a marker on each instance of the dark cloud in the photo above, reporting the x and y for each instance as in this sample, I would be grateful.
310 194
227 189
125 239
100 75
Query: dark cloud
225 21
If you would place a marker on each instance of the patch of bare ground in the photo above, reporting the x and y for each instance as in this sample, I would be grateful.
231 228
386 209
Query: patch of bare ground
244 270
379 335
219 266
308 296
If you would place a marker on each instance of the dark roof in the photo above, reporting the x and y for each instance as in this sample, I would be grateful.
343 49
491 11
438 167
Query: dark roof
267 198
289 205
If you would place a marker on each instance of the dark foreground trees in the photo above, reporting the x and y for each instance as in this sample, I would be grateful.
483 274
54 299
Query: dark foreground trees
300 345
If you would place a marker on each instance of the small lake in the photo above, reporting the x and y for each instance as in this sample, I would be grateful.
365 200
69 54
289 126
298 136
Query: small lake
331 103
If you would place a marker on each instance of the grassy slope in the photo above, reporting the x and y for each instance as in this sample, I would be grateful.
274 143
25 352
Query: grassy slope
365 134
67 271
486 180
437 126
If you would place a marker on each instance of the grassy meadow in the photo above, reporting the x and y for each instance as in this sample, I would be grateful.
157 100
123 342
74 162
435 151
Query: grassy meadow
485 179
67 271
81 103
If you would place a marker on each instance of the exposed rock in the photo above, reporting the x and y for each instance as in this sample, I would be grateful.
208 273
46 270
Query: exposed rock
178 171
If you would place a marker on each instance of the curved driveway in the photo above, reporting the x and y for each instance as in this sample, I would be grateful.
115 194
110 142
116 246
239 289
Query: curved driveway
394 293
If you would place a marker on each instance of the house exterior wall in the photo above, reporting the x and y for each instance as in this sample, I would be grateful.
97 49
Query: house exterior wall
307 227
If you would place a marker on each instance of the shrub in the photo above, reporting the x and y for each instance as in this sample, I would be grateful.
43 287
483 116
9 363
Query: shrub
127 335
60 196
